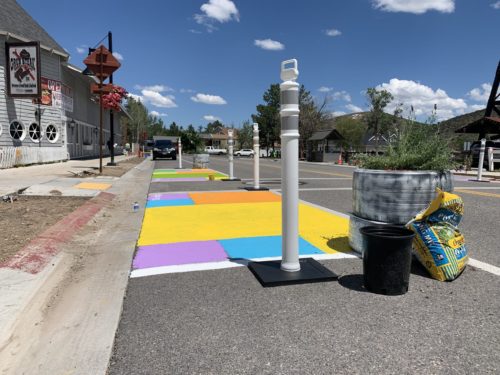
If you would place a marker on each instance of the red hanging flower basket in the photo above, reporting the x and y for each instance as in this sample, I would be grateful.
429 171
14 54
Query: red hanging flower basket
114 98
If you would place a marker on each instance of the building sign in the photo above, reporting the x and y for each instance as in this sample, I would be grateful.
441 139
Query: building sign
23 69
56 94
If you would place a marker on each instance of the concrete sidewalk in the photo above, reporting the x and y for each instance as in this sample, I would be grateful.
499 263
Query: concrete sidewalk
14 179
63 319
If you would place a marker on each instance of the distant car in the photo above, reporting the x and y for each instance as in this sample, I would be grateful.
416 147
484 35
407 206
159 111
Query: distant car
245 152
211 150
475 148
164 148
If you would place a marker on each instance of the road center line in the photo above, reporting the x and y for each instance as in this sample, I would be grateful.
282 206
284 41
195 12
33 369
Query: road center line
480 193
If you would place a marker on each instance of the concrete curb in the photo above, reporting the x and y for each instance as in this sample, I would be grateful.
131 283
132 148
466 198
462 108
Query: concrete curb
33 257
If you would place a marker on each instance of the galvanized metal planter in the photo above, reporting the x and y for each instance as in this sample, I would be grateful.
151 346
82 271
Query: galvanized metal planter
395 196
391 197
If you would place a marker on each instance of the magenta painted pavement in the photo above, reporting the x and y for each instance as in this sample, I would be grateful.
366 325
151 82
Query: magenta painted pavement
167 196
179 253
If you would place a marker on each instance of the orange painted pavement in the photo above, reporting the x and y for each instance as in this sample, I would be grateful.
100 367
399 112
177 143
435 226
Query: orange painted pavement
234 197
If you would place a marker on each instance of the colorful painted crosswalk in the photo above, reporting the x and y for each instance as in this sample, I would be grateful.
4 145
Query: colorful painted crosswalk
186 175
182 229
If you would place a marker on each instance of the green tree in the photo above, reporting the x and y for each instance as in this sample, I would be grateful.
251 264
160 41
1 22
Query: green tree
268 116
190 139
174 129
245 135
138 124
312 117
353 131
377 121
214 127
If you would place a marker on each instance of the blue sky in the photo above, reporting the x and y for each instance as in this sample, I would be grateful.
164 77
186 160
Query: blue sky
192 61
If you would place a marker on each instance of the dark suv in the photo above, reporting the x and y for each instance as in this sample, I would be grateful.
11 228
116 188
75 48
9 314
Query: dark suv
163 148
475 148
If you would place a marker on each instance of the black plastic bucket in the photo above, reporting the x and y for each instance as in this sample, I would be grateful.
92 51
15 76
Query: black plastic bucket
387 258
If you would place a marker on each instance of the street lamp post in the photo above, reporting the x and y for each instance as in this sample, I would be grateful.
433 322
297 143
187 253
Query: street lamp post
111 116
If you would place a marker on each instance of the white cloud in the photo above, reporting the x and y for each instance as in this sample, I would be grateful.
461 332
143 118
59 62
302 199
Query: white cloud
354 108
217 11
480 94
158 114
211 118
325 89
156 88
118 56
338 113
423 98
333 32
269 44
81 50
158 100
208 99
341 95
153 95
194 31
415 6
475 107
496 5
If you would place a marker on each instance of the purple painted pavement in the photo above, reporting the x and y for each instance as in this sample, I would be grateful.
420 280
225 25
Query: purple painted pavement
167 196
179 253
188 179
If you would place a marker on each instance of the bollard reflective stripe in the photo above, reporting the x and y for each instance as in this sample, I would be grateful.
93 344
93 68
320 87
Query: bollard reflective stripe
230 153
256 156
289 113
179 146
481 159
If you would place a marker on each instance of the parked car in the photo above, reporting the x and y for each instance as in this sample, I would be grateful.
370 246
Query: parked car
164 148
215 151
475 148
245 152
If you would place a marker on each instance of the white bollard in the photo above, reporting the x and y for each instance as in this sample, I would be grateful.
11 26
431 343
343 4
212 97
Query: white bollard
481 159
491 164
179 147
289 114
230 153
256 156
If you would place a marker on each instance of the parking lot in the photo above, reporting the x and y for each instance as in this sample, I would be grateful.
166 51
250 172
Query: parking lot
222 321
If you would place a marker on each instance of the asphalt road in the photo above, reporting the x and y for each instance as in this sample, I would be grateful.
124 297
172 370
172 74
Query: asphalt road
224 322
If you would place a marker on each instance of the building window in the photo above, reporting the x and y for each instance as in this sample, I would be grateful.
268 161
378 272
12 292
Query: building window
52 133
35 132
17 130
87 136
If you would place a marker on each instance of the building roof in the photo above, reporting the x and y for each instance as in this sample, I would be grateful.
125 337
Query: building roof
485 125
330 134
17 23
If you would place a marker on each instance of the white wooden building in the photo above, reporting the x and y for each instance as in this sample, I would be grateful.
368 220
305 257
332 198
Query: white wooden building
69 125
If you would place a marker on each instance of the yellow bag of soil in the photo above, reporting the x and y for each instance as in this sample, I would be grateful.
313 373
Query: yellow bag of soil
438 244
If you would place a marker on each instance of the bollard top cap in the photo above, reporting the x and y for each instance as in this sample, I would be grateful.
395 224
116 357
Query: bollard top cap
255 126
289 70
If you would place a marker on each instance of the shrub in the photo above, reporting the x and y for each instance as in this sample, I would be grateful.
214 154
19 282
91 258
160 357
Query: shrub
418 147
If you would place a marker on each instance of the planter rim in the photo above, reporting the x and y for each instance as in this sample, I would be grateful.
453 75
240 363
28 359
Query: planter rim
405 171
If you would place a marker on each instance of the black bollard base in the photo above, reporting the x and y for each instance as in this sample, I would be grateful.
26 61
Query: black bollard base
270 274
251 188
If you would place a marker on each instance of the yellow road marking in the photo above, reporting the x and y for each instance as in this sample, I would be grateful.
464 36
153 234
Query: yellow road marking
473 192
263 165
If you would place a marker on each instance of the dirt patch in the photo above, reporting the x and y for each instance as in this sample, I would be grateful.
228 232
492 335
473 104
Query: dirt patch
25 218
119 170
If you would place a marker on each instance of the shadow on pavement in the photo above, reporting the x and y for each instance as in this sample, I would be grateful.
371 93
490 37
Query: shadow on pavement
353 282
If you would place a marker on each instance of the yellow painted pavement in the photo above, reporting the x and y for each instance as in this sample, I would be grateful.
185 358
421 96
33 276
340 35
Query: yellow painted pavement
238 220
92 186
